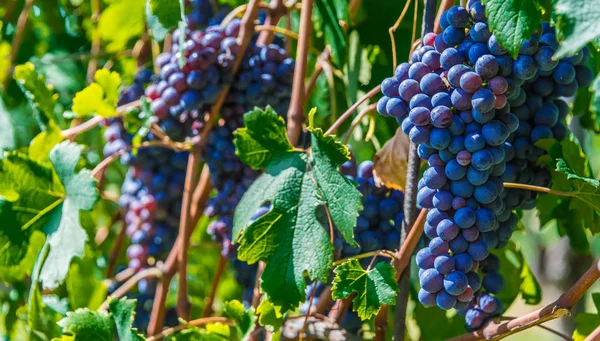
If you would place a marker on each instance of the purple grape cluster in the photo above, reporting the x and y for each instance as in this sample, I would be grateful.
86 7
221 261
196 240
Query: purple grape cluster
538 104
378 225
461 99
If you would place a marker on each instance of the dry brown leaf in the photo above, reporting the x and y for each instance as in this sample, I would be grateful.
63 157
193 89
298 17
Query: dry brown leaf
390 162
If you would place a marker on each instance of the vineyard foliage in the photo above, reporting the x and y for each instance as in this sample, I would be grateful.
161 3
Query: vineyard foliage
283 170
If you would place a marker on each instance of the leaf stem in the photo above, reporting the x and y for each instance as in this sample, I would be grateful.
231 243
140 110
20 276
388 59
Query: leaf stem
352 108
94 121
496 329
277 11
118 244
295 114
384 253
280 30
537 189
194 323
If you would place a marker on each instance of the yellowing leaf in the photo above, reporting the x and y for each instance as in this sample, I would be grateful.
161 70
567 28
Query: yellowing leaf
390 162
99 97
120 22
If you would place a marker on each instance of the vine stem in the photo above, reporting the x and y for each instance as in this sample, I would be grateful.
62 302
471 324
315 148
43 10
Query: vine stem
118 245
256 294
277 11
444 6
295 115
370 108
393 29
17 39
281 30
210 299
407 244
94 121
537 189
194 323
496 329
169 268
95 50
323 58
352 108
130 283
384 253
594 336
191 178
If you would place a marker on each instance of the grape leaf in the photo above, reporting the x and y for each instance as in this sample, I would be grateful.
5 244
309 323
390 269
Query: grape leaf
27 193
100 97
167 11
269 315
123 312
374 287
326 18
586 323
40 95
290 238
577 24
585 189
513 21
16 272
66 237
244 318
5 48
525 284
120 22
85 325
391 161
159 32
84 288
595 101
42 144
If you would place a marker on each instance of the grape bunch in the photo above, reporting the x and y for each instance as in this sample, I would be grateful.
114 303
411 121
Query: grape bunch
541 112
461 99
378 225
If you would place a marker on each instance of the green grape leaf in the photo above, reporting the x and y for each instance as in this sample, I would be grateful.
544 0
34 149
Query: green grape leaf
450 322
40 95
213 332
120 22
85 325
263 138
596 300
513 21
158 31
66 236
5 48
123 312
140 122
85 288
585 189
572 217
586 323
577 24
290 238
28 193
42 144
18 271
244 318
326 18
100 97
595 101
374 287
513 262
40 318
269 316
167 11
